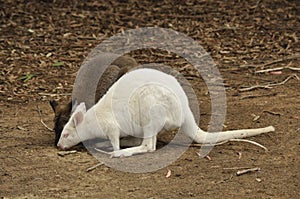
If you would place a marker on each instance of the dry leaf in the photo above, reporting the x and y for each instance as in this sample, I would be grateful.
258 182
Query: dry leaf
207 157
276 72
169 173
240 155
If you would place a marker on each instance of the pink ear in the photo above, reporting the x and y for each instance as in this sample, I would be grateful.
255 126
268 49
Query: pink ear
78 118
81 107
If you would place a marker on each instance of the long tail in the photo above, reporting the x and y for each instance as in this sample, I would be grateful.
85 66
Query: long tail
217 137
190 128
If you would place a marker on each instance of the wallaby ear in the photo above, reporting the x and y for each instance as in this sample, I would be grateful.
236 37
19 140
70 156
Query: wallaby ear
53 104
73 105
82 107
78 118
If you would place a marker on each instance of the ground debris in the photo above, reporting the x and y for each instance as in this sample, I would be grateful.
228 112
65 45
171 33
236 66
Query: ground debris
64 153
94 167
244 171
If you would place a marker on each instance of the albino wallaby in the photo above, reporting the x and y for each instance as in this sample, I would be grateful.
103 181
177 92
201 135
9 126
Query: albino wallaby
141 103
63 111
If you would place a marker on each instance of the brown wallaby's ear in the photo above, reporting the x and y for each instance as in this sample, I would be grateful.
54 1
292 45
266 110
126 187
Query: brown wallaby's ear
53 104
72 105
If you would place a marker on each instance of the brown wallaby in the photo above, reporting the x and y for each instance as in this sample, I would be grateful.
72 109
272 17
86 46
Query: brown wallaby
63 111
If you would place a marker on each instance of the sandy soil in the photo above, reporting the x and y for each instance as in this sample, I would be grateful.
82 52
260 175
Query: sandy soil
242 37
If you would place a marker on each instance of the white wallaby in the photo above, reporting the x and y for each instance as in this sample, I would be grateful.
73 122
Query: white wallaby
141 103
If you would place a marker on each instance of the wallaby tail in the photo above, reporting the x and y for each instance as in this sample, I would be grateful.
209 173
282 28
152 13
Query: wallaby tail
190 128
217 137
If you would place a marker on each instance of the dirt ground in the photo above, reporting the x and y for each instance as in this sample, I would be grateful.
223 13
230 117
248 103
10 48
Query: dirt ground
43 43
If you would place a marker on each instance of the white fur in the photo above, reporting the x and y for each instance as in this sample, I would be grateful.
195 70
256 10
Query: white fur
141 104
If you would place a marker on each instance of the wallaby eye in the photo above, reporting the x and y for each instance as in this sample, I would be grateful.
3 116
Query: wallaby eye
66 135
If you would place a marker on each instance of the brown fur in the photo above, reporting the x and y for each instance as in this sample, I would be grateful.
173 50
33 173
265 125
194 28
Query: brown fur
63 111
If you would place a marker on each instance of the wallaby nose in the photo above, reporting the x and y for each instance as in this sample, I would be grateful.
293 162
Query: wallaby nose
60 147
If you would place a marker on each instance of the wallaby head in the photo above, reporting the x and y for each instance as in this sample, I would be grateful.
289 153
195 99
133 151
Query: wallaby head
69 136
62 114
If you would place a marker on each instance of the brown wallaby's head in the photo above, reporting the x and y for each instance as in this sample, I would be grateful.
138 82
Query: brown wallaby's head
62 114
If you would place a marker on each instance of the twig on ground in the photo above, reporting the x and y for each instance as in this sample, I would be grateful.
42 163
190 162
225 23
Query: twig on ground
270 85
271 112
257 117
241 172
276 69
295 56
249 141
40 114
230 140
94 167
64 153
256 96
255 87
